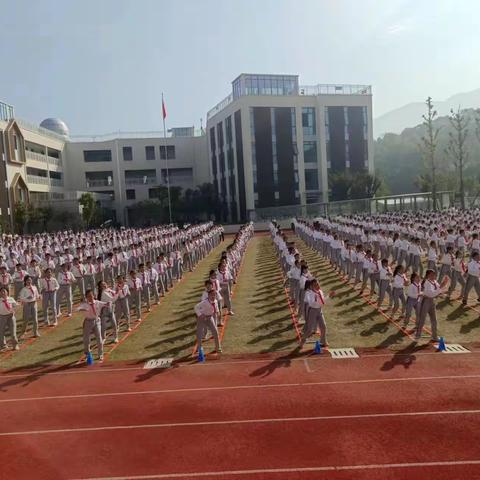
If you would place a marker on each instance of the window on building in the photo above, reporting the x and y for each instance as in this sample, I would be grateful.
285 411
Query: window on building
311 179
130 193
170 152
97 155
150 153
310 152
127 154
308 121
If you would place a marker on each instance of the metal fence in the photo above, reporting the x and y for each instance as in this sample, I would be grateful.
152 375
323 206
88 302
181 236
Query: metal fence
394 203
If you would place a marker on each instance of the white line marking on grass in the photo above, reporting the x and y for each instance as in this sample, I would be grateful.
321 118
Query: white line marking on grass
241 422
332 468
240 387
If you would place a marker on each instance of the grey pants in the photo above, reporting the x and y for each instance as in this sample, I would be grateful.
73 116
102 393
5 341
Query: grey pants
385 287
472 282
427 307
80 284
107 314
146 295
431 265
90 326
11 322
444 270
457 277
398 297
417 265
49 300
64 293
154 291
30 315
136 301
412 304
17 286
122 309
207 323
365 277
89 281
226 297
315 320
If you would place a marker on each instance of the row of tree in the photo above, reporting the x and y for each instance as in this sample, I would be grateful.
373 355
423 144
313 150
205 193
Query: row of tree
441 153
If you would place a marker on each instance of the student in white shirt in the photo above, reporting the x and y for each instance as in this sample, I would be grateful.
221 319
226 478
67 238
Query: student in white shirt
398 284
7 318
48 289
108 296
414 295
447 263
28 297
122 307
473 274
225 278
293 280
314 301
65 279
144 277
135 299
384 284
153 282
430 289
91 309
207 311
432 257
458 273
18 278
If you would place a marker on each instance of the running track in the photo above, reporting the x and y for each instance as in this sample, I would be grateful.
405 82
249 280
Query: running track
405 416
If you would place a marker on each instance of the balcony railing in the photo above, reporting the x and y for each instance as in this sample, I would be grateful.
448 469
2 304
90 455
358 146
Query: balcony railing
141 181
56 182
38 180
100 182
54 161
38 157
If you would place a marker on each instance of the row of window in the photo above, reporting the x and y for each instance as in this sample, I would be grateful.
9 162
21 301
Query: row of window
150 154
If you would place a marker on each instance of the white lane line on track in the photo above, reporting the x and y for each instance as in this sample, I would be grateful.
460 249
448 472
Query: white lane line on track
332 468
241 422
241 387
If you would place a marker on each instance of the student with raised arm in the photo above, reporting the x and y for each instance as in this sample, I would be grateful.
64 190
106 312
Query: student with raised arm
109 297
314 301
473 274
431 289
458 273
207 311
414 296
28 297
7 318
91 309
398 284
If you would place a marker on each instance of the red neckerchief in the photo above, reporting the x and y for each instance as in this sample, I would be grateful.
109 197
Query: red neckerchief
7 304
318 294
214 305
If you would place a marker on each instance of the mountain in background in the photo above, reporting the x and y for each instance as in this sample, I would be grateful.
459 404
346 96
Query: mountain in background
410 115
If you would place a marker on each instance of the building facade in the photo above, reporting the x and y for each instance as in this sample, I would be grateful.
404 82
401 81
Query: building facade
130 169
273 143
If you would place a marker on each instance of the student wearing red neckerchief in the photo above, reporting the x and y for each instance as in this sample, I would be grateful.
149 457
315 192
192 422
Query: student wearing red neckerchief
91 309
207 311
314 301
473 274
7 318
28 297
48 288
458 273
414 296
18 278
66 280
122 307
431 290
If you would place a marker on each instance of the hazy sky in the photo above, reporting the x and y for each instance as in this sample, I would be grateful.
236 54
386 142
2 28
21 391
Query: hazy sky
101 65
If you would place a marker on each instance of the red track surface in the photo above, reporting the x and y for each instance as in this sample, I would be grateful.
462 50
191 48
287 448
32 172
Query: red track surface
407 416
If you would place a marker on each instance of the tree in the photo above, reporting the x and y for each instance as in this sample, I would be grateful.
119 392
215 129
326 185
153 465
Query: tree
20 217
456 147
428 147
88 205
340 184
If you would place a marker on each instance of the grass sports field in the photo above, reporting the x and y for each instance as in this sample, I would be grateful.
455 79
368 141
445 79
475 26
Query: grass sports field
262 322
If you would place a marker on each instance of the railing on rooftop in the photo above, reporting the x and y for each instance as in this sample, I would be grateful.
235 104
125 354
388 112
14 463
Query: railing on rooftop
327 89
105 137
6 111
36 129
320 89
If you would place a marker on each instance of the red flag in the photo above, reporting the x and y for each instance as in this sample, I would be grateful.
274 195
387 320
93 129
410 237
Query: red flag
164 110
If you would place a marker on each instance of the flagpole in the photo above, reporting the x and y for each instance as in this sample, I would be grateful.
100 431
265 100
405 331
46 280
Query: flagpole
166 161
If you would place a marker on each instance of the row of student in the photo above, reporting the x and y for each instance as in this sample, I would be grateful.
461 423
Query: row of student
363 264
122 296
113 250
412 295
217 295
304 289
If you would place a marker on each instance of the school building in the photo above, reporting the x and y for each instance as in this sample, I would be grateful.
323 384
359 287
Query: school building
270 143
